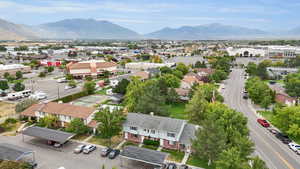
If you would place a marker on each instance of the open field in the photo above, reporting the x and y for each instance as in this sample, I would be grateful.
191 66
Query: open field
6 108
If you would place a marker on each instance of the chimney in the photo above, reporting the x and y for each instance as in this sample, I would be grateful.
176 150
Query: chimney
151 113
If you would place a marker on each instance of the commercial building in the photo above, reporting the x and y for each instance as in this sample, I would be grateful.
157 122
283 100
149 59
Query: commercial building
90 68
13 68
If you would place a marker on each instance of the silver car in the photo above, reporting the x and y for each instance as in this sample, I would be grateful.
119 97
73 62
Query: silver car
79 149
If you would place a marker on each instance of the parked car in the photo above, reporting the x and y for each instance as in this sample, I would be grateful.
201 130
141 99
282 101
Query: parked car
263 122
57 145
245 96
295 147
273 131
184 167
69 87
298 152
171 166
89 148
62 80
113 154
284 138
105 151
38 96
161 167
79 149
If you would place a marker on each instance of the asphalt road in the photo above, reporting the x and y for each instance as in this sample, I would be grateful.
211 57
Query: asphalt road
276 154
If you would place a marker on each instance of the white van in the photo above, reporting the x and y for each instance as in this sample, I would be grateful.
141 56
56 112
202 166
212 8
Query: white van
19 95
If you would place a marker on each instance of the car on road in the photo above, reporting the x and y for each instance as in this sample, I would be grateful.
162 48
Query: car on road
113 154
273 131
295 147
105 151
69 87
79 149
171 166
162 167
245 96
89 148
183 166
284 138
263 122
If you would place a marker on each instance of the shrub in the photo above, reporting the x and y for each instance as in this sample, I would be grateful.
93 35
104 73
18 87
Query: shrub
72 97
11 121
151 142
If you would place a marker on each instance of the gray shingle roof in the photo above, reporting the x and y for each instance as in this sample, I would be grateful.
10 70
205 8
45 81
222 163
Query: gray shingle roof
144 155
12 152
48 134
188 134
154 122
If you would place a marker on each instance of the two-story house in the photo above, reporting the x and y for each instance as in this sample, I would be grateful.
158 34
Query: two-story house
171 133
63 111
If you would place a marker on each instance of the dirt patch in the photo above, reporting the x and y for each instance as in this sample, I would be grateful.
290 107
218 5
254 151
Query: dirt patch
6 108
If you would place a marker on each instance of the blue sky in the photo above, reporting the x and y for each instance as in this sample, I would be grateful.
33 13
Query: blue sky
145 16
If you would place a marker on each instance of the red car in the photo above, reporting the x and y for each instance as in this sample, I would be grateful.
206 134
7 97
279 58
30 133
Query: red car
263 122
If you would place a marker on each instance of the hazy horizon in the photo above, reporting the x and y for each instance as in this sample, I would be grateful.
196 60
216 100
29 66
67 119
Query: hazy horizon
144 16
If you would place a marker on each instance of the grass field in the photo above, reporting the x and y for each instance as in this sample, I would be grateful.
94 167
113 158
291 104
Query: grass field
178 111
6 109
199 163
174 155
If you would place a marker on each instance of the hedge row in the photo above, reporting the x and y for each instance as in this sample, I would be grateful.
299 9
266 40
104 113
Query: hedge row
72 97
151 142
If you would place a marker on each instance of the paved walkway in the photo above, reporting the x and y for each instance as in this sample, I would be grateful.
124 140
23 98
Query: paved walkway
185 158
87 139
121 144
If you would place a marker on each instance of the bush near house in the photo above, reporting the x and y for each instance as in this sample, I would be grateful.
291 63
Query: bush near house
151 142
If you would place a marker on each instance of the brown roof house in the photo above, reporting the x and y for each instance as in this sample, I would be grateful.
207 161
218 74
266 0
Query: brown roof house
90 68
281 96
204 73
65 113
189 80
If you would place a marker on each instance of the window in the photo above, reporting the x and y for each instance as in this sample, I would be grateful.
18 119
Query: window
133 128
172 142
135 135
171 135
146 130
153 131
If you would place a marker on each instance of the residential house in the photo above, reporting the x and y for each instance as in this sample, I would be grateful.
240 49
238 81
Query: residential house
183 93
281 96
204 73
171 133
189 80
91 68
63 111
142 75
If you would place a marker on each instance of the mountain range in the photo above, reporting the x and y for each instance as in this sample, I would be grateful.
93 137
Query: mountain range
95 29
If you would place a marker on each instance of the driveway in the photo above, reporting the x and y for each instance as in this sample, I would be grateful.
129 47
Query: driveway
52 159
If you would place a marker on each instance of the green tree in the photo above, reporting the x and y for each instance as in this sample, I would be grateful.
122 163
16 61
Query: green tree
42 74
121 86
4 85
218 76
72 83
231 159
165 70
210 141
145 97
69 77
6 75
50 69
49 121
19 75
292 84
199 64
89 87
3 48
251 69
257 163
77 126
23 105
170 80
110 123
182 68
18 87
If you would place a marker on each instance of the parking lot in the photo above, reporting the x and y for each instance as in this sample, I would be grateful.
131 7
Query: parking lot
48 158
50 87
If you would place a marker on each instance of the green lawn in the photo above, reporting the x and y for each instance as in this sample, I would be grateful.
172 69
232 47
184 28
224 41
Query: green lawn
199 162
177 111
115 141
128 143
152 147
81 137
174 155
